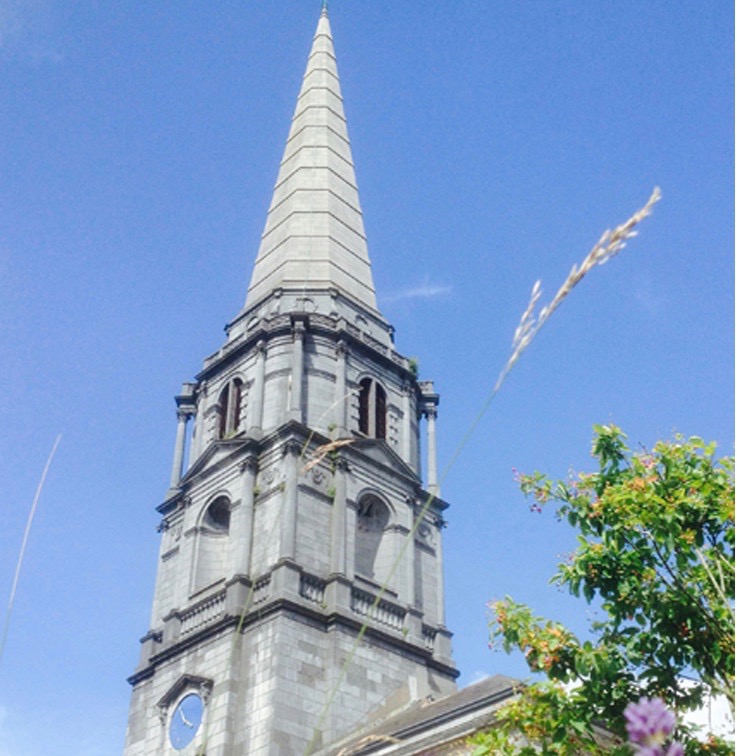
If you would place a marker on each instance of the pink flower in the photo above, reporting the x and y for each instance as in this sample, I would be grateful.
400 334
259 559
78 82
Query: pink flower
649 726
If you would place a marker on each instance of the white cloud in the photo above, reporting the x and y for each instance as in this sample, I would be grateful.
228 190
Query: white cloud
425 290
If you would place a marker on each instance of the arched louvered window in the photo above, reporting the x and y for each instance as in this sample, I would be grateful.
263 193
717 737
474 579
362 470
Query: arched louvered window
364 397
372 409
380 414
229 408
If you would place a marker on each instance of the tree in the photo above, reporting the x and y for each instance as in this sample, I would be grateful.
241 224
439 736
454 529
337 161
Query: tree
656 554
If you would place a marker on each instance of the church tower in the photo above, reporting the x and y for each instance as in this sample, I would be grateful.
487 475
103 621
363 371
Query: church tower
299 590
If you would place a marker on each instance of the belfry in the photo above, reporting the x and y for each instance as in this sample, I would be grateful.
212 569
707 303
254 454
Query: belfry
299 591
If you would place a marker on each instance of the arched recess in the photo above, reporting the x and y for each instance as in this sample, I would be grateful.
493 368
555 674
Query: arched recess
212 542
372 546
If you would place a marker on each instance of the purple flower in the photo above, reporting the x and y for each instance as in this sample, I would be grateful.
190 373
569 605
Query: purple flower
649 725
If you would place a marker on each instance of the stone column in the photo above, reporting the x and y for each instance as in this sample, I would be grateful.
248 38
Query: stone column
178 463
241 522
185 409
295 397
257 399
338 535
431 413
288 540
341 389
429 408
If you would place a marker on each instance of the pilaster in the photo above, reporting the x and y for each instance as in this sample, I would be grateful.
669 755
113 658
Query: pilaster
338 521
295 394
341 389
257 400
288 525
241 521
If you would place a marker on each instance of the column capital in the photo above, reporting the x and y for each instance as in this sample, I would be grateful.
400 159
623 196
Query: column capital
430 411
249 464
186 400
341 463
299 326
341 348
292 447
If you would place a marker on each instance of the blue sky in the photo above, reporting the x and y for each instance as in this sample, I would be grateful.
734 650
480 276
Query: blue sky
493 143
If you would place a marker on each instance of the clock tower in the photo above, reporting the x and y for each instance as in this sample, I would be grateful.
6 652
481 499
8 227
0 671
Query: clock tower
299 592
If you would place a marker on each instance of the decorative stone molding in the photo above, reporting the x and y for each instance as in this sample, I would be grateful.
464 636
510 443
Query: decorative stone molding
397 528
428 637
170 554
261 589
306 304
426 534
163 526
203 613
393 422
312 588
382 611
202 685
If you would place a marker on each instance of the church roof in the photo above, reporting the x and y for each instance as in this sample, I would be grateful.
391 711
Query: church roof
314 236
432 726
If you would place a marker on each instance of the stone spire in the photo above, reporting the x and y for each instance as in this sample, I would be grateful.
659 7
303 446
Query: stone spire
314 237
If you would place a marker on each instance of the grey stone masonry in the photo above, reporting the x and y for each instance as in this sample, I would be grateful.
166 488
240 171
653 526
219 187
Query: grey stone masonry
299 588
314 235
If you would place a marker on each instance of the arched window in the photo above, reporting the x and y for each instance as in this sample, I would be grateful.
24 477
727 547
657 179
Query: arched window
372 409
229 408
371 522
211 543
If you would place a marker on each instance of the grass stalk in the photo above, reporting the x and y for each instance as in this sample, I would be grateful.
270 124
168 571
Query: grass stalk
24 543
610 244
